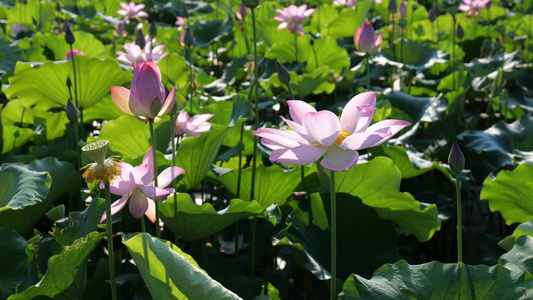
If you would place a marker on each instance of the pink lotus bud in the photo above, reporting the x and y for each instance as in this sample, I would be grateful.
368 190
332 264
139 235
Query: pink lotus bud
147 89
365 39
403 9
74 52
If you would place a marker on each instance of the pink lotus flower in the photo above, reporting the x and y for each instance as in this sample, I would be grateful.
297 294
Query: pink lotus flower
292 17
132 11
316 133
74 52
180 22
136 186
473 6
347 3
365 39
146 99
135 55
192 126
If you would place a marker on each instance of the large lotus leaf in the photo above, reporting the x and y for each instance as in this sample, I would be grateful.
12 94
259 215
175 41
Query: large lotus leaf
65 271
208 32
169 273
462 79
13 270
272 184
434 280
131 137
411 53
14 137
46 86
104 109
377 184
174 70
85 42
21 188
519 258
346 23
510 193
196 155
322 17
43 13
413 106
365 241
9 55
316 82
193 222
502 143
522 229
328 53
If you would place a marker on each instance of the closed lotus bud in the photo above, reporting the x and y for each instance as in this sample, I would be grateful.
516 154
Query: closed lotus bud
460 32
403 9
456 159
69 35
283 74
69 83
58 7
188 39
251 3
392 6
261 67
433 13
34 21
152 31
139 40
72 111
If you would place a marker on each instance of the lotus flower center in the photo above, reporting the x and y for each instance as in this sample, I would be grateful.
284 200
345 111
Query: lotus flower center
342 135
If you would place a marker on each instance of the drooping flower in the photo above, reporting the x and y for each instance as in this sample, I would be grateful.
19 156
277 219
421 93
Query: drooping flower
70 54
318 133
136 186
132 11
365 39
292 17
473 6
192 126
147 98
135 55
347 3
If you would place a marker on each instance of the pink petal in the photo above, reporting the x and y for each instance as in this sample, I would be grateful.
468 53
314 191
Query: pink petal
168 105
298 109
283 26
121 98
351 113
300 130
153 191
393 125
138 203
116 207
299 156
169 174
283 138
323 126
148 157
339 160
199 119
142 175
150 212
363 140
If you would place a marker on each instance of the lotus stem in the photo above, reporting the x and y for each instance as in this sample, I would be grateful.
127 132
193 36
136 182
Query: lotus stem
173 143
459 219
296 48
154 155
333 236
111 252
367 72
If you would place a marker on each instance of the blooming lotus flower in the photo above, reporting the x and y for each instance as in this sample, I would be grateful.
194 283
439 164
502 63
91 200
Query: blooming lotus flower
365 39
292 17
473 6
136 186
147 98
134 54
132 11
318 133
192 126
347 3
74 52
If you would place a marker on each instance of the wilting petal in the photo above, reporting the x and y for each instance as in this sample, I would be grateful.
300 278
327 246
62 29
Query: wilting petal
121 98
323 126
339 160
142 175
299 156
169 174
351 112
138 203
298 109
153 191
116 207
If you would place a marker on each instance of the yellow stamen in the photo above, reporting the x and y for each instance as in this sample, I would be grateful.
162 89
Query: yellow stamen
105 172
342 135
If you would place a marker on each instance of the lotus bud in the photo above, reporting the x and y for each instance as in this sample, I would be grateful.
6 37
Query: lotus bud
456 159
152 31
72 111
261 67
403 9
393 7
34 21
69 35
139 40
460 32
251 3
188 39
119 30
433 13
242 12
283 74
58 7
69 83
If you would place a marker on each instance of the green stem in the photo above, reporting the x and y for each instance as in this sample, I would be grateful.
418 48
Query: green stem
290 91
75 81
296 47
454 33
333 236
154 155
172 138
302 175
254 157
459 219
190 81
110 250
239 171
367 72
143 224
314 53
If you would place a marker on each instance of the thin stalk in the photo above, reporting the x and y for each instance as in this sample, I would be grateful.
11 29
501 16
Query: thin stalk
75 80
454 33
367 72
239 172
190 82
154 155
296 47
459 219
333 236
392 37
401 44
110 250
302 177
143 224
76 139
314 53
253 224
290 91
172 138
